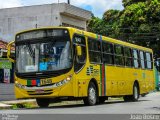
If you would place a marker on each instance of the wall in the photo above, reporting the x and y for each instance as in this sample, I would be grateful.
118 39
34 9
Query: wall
13 20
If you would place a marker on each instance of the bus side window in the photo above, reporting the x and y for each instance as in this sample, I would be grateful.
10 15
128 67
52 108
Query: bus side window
142 59
136 58
108 56
79 40
94 47
128 57
149 62
119 59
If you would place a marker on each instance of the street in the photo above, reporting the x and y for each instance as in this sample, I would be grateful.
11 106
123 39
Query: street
146 105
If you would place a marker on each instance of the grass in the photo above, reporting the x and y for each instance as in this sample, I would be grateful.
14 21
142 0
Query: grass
21 105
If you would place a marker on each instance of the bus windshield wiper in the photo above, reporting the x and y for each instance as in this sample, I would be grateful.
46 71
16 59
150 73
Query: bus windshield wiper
31 52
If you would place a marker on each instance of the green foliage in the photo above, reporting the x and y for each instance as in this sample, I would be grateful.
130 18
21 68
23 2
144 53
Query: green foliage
138 23
24 105
130 2
111 15
97 25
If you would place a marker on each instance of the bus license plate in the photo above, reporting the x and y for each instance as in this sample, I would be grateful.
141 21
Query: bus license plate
46 81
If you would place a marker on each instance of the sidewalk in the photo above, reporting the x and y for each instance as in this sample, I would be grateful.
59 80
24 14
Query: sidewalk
10 104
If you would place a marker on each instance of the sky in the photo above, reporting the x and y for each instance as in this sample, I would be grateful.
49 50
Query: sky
97 7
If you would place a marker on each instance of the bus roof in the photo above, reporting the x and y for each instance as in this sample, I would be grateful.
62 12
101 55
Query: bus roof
96 36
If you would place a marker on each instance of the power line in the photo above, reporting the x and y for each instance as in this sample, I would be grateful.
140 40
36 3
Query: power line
130 27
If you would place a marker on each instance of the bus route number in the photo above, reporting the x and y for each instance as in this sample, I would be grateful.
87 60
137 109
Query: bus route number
78 40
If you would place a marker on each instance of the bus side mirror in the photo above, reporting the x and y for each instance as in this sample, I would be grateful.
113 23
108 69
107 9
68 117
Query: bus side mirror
79 50
9 52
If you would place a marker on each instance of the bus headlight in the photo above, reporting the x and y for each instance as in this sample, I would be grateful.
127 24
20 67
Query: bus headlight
58 84
68 78
19 85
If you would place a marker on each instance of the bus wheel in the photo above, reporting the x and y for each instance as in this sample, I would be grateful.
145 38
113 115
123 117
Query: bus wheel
135 95
42 102
91 98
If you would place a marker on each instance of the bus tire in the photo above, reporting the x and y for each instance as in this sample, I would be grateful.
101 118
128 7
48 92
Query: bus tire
92 95
42 102
135 95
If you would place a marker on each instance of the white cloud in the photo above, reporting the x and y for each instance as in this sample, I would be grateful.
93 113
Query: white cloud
9 3
97 7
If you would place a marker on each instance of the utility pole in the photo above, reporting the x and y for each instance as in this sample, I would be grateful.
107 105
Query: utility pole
68 1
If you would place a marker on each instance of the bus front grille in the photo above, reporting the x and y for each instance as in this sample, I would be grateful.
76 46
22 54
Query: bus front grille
40 92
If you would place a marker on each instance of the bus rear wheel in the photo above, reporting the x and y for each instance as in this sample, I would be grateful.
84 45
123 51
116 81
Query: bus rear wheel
135 95
92 96
135 92
43 102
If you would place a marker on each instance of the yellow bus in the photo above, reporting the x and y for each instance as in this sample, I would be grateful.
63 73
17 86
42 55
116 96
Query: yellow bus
60 63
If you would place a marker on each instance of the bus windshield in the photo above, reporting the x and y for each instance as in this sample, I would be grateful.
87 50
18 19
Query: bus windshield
43 56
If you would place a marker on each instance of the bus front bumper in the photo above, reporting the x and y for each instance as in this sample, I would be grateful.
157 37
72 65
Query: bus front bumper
44 92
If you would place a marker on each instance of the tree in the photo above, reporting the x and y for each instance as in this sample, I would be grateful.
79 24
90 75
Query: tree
96 25
138 23
142 20
130 2
111 15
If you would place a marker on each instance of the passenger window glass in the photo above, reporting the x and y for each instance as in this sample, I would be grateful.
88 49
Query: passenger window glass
128 56
119 58
107 47
108 57
136 61
94 45
94 50
118 50
149 61
142 59
135 54
79 40
127 52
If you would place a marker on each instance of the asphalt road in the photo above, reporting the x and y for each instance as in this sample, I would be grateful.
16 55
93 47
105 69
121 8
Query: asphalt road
146 105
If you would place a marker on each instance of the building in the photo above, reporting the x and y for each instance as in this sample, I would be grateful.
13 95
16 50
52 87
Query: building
13 20
6 72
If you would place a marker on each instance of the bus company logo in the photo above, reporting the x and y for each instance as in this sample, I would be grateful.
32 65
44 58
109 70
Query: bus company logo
9 117
92 71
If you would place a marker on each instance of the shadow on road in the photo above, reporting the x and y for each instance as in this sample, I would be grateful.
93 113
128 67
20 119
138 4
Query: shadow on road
82 105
